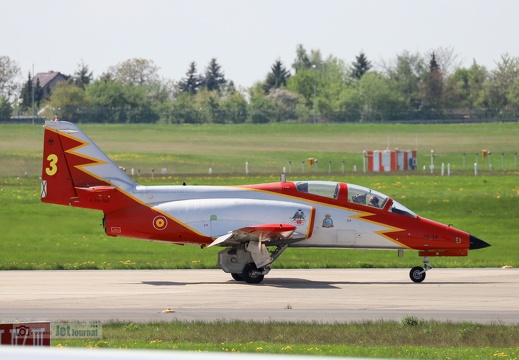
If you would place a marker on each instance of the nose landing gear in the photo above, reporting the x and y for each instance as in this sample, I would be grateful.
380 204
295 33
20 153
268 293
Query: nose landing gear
417 274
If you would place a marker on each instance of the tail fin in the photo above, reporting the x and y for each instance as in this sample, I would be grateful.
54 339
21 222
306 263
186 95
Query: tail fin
73 165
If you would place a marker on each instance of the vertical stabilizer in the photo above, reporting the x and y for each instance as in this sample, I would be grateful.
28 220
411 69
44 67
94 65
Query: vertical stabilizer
71 162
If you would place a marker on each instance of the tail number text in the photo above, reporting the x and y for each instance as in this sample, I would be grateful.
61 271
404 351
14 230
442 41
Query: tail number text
53 167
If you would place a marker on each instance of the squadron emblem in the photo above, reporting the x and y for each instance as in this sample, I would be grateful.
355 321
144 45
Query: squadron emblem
328 221
299 218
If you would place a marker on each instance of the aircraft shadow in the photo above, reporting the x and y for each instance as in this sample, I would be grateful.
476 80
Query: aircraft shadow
182 283
295 283
311 284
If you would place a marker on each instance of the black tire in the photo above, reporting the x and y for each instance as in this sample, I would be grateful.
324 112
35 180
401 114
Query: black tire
250 275
417 274
237 276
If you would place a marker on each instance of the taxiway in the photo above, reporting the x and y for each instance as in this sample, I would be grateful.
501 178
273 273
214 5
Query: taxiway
326 296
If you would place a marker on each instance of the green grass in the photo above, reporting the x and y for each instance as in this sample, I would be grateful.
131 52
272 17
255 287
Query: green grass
39 236
410 338
42 236
191 149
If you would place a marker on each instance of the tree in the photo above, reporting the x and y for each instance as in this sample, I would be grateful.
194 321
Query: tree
183 110
69 102
465 87
457 89
191 83
407 71
331 76
82 76
286 104
501 81
432 87
208 102
261 109
316 59
231 88
302 61
6 109
446 58
303 83
117 102
134 72
28 91
214 78
277 77
380 100
235 108
360 66
477 78
324 81
348 105
9 71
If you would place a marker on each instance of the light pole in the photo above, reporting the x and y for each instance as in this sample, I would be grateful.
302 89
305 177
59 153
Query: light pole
32 95
315 86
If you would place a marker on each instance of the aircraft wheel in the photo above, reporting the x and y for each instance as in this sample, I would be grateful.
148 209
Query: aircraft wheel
237 277
250 275
417 274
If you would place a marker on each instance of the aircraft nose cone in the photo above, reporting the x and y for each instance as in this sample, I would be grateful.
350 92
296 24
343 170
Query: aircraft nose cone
476 243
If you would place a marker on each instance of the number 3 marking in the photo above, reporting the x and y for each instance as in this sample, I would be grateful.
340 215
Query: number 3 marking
52 168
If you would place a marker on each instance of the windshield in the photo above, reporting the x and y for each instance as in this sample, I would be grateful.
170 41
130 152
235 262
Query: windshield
398 208
322 188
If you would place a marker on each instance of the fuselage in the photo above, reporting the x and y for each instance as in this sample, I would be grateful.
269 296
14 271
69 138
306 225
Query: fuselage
327 214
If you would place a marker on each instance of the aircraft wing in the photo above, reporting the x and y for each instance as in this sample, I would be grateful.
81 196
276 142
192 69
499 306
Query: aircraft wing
261 233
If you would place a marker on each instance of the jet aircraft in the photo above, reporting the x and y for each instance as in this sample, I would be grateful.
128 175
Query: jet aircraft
254 224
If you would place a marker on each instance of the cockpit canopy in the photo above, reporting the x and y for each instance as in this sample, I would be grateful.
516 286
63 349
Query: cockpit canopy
356 194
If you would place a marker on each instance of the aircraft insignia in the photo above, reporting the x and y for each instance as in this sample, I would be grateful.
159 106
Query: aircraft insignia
160 222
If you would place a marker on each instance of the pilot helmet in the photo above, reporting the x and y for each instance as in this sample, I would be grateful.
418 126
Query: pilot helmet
374 200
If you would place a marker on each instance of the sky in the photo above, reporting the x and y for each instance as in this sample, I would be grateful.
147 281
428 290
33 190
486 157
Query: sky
247 37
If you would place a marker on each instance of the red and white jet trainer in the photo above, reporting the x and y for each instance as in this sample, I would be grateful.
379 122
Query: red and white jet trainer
255 223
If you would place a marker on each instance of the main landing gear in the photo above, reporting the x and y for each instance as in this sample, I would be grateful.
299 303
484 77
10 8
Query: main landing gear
251 274
417 274
240 263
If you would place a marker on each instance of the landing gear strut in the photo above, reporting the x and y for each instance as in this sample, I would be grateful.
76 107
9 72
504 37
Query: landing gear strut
417 274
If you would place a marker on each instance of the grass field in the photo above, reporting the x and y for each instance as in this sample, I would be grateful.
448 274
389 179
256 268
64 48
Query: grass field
411 338
269 148
40 236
